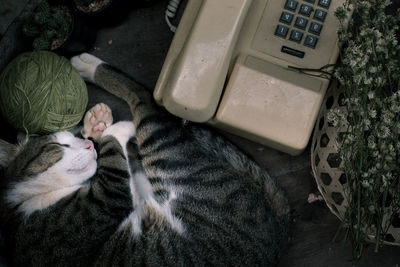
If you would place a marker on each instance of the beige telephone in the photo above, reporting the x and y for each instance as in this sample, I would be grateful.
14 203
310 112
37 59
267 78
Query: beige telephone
228 66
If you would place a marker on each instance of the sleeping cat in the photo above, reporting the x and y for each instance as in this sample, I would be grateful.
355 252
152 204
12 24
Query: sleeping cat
186 198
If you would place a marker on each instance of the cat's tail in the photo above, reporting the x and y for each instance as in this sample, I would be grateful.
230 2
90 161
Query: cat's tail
223 149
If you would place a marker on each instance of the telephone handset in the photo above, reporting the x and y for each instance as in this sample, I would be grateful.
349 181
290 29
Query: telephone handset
228 66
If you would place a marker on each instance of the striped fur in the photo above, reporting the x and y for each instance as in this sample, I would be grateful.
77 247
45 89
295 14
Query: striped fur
188 198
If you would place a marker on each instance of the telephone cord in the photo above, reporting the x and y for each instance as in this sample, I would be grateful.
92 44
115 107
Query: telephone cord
170 13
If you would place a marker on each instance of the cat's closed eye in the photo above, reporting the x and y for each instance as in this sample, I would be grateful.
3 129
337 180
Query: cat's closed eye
55 143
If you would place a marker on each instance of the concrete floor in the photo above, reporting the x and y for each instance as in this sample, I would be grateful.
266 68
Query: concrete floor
9 10
138 46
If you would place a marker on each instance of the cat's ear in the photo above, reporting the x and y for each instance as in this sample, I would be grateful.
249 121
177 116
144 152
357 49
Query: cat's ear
7 153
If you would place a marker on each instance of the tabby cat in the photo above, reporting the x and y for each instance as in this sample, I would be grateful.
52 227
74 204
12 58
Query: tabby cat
187 198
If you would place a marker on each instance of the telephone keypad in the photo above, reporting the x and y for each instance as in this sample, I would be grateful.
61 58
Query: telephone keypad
310 41
281 31
296 36
313 11
286 17
291 5
301 23
315 28
324 3
305 10
320 15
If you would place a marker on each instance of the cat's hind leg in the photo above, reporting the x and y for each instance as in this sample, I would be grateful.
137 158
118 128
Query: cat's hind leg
96 120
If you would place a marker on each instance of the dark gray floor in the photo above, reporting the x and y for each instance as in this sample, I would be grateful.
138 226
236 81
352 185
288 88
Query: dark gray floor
138 46
9 10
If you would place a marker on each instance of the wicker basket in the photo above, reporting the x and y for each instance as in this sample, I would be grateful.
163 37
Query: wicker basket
326 163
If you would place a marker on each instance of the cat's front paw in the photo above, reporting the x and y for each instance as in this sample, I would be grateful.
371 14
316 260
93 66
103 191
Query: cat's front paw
96 120
86 64
122 131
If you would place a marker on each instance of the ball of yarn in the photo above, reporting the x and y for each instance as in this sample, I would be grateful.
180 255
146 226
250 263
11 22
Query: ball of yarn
40 92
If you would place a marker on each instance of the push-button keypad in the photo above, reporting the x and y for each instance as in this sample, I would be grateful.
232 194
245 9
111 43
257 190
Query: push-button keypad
320 15
305 10
301 21
310 41
281 31
315 28
324 3
291 5
286 17
296 36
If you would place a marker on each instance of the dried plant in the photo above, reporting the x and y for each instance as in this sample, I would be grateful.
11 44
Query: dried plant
369 71
45 24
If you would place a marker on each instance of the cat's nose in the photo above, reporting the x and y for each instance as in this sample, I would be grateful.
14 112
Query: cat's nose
89 145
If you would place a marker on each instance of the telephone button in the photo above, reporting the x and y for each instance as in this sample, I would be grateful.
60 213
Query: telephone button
315 28
320 15
296 36
286 17
301 23
281 31
324 3
305 10
310 41
291 5
310 1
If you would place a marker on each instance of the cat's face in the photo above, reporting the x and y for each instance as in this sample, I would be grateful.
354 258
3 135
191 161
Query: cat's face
46 169
59 160
78 162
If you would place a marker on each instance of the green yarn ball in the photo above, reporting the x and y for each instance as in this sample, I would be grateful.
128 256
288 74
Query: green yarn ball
40 92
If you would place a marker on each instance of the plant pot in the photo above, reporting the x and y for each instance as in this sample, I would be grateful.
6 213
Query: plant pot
80 39
60 2
327 165
113 12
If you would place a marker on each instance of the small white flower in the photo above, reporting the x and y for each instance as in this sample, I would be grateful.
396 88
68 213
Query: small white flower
373 69
372 113
371 94
353 63
377 33
371 143
387 117
384 132
384 180
368 81
395 107
365 184
372 170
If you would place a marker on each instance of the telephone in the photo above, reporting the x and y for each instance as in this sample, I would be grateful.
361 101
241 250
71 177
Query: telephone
228 65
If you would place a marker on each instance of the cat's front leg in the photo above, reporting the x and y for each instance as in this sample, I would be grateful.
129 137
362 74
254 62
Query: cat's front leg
86 64
98 124
96 120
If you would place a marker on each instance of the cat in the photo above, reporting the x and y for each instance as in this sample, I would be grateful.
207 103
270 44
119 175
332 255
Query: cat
185 196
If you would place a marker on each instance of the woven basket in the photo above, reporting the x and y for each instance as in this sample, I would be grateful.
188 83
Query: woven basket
326 163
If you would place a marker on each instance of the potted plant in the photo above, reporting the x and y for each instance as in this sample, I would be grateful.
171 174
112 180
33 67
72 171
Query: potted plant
54 27
360 131
101 12
106 12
